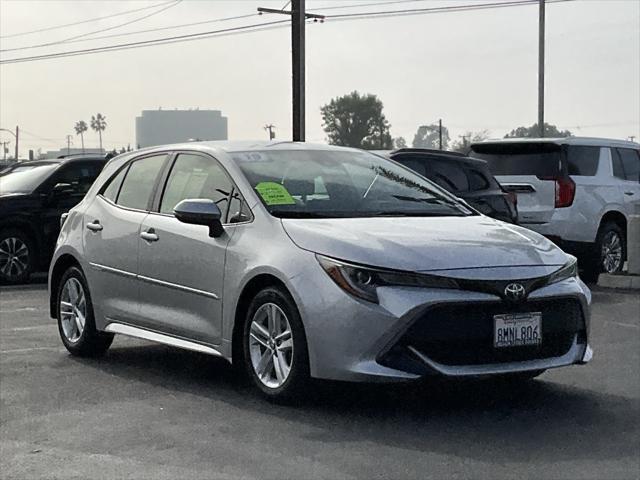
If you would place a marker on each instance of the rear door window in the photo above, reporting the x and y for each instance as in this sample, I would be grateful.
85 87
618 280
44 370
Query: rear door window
582 160
630 160
139 181
527 158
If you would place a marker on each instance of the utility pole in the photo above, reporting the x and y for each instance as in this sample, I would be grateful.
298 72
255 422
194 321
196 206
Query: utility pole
541 20
440 133
16 135
298 17
69 137
4 150
270 128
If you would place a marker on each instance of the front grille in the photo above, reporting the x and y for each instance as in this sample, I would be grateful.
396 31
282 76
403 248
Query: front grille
462 334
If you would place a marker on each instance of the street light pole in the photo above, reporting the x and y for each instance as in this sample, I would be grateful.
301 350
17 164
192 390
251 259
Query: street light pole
541 21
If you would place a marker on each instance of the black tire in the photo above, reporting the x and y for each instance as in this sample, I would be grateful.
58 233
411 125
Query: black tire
91 342
13 272
297 380
595 264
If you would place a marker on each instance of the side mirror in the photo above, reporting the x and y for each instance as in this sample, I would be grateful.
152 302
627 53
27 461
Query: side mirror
61 189
200 211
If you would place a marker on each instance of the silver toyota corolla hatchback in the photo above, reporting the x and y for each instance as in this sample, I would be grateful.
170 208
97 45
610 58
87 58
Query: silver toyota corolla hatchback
294 261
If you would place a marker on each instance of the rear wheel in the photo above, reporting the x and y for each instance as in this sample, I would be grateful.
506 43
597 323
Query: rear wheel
76 322
274 345
609 253
17 256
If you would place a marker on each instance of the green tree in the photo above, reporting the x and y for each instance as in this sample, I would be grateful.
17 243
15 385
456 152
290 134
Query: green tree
80 128
550 131
400 142
467 139
99 124
428 136
356 120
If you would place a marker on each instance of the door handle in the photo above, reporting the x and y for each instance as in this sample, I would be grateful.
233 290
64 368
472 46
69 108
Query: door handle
628 193
149 235
94 226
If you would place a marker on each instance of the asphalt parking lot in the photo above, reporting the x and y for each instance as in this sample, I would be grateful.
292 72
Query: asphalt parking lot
149 411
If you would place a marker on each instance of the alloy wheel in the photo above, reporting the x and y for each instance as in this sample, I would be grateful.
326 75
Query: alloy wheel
611 252
271 345
14 257
73 309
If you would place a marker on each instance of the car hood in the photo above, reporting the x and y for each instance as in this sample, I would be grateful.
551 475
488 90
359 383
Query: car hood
425 244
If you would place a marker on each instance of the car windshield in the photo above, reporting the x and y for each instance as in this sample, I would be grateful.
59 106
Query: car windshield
326 184
25 178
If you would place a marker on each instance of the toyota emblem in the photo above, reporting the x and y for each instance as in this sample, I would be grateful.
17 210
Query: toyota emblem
515 292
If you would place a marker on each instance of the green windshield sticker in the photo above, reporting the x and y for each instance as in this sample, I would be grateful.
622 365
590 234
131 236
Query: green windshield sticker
274 194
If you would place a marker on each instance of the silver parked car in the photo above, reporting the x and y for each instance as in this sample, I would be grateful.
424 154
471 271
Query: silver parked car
294 261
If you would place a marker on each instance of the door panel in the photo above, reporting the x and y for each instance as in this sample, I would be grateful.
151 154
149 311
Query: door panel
181 278
111 238
182 268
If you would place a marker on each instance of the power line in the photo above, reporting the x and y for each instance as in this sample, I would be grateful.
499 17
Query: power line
77 39
374 4
96 19
70 39
137 32
146 43
430 10
270 25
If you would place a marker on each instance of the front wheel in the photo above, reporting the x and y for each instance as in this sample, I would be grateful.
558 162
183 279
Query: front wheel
76 322
275 346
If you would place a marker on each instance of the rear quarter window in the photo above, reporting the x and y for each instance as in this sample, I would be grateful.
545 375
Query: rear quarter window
582 160
448 175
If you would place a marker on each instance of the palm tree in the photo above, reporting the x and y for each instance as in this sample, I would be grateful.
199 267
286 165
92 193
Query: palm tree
99 124
81 127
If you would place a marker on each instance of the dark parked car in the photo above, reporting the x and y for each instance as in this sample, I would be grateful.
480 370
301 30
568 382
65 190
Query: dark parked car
33 196
467 178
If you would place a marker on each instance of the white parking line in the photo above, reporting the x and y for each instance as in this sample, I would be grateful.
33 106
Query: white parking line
35 327
630 325
32 349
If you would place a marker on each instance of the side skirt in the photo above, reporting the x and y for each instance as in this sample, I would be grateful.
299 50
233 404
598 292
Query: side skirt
160 338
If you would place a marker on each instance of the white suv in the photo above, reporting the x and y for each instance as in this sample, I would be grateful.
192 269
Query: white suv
577 191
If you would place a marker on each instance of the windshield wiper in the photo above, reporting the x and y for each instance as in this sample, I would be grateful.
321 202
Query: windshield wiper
298 214
405 213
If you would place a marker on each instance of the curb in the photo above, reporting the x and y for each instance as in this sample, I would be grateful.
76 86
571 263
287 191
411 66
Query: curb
627 282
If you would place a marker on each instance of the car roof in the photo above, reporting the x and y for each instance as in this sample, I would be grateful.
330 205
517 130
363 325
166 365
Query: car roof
586 141
442 155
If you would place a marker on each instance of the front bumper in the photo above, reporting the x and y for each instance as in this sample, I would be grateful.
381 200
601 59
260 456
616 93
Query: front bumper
354 340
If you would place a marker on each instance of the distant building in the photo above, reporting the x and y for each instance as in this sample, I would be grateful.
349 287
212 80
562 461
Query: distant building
159 127
71 151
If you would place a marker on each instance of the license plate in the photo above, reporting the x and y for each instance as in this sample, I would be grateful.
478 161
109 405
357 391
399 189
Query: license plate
517 329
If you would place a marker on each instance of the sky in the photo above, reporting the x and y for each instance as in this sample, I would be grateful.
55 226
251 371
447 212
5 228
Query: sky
475 70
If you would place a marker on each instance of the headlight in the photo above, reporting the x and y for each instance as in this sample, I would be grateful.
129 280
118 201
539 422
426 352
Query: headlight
363 282
569 270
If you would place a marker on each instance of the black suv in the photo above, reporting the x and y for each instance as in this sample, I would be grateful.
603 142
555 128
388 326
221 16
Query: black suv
33 196
465 177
